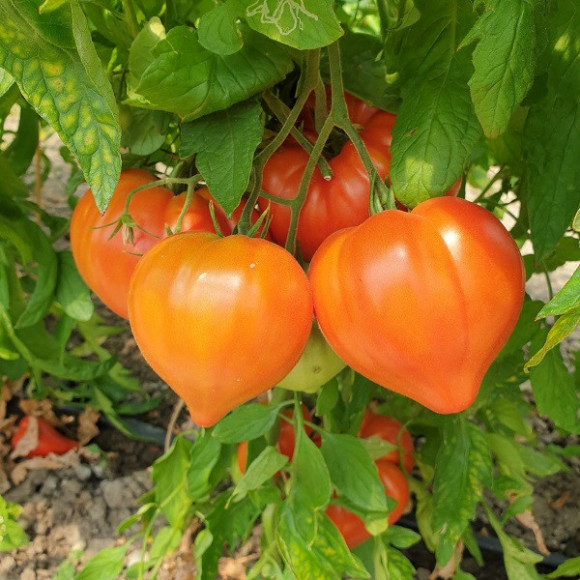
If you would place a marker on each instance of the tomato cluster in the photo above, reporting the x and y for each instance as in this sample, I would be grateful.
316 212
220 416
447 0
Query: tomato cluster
418 301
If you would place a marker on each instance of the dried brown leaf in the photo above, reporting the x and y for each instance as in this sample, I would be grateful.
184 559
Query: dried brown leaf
527 519
87 428
448 570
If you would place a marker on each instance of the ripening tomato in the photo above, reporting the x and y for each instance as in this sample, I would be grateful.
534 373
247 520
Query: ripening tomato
317 365
49 439
392 431
286 438
221 320
421 302
106 263
339 202
351 526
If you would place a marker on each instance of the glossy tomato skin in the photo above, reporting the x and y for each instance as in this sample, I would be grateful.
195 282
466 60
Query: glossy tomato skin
351 526
343 200
392 431
421 302
214 320
317 365
49 439
106 263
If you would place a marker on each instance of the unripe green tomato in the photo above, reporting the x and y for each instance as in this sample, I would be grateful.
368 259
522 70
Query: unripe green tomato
317 365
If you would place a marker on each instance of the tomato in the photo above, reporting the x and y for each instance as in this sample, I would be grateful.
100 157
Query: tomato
49 439
339 202
351 526
106 263
421 302
317 365
221 320
390 430
286 438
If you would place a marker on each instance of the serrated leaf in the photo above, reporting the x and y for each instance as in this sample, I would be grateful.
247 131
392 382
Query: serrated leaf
566 300
225 143
305 24
246 422
54 62
105 565
355 477
311 545
503 61
174 72
436 126
554 390
218 30
561 329
170 474
552 133
463 468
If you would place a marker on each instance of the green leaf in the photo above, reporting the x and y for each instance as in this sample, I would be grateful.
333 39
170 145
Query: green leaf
170 474
146 132
567 300
304 25
568 568
71 291
246 422
23 148
6 82
311 545
174 72
205 454
52 58
552 132
562 328
355 477
225 143
519 561
436 127
262 469
105 565
402 538
218 30
540 463
12 536
554 390
11 186
463 468
513 472
503 61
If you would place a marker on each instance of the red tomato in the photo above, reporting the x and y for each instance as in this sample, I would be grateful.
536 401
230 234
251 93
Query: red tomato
49 439
286 438
351 526
421 302
339 202
221 320
106 263
390 430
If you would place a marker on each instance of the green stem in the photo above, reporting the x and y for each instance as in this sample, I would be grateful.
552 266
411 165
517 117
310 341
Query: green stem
130 17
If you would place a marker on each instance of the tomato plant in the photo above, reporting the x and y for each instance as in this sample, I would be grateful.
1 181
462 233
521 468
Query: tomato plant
351 526
106 258
392 431
421 297
178 300
49 439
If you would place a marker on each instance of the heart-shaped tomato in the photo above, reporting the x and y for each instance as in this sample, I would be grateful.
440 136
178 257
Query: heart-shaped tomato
221 320
421 302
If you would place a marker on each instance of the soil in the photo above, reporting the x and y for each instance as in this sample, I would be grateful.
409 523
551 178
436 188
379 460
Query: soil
73 512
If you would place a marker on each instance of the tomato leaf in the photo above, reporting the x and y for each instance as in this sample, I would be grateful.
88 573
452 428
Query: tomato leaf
173 72
554 390
13 536
6 82
54 62
355 477
436 126
503 61
225 143
71 291
311 545
146 132
205 453
105 565
552 133
463 468
218 30
246 422
262 469
23 148
567 300
570 567
170 474
304 25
